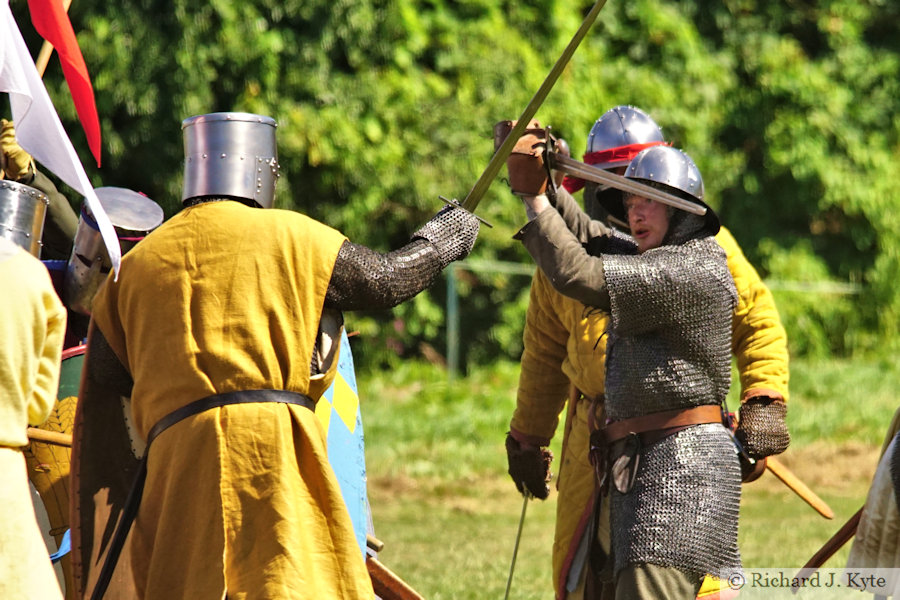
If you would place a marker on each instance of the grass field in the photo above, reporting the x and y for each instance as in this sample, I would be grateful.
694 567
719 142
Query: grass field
448 512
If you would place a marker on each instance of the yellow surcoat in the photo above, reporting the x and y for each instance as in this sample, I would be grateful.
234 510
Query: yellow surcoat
225 298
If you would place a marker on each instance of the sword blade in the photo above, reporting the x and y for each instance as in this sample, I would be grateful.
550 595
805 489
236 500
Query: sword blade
490 172
512 566
571 166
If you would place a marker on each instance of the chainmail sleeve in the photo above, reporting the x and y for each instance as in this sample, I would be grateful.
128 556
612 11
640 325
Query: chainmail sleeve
364 279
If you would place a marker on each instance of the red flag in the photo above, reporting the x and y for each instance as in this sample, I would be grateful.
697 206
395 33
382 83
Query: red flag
38 128
52 22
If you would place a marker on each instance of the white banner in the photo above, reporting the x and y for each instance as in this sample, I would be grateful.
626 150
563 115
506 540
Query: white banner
38 128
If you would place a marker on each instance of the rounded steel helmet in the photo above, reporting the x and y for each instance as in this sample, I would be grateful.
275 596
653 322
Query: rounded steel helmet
673 171
230 154
619 135
613 141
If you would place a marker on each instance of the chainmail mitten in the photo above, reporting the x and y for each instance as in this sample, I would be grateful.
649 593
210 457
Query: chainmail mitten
529 468
452 232
761 428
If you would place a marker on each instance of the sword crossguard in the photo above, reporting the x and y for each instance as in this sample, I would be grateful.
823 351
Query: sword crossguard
454 203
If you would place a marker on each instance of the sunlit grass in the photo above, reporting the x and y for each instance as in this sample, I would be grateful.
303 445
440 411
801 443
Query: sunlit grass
448 512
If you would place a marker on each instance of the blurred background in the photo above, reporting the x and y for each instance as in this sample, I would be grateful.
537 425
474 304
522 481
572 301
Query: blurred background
790 109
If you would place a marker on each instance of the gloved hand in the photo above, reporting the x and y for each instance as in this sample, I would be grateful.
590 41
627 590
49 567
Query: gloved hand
529 467
16 164
762 429
528 175
452 231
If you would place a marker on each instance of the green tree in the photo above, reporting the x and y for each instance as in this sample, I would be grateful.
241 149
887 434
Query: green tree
384 105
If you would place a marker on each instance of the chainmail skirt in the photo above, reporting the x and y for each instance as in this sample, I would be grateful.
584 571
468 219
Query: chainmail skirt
683 509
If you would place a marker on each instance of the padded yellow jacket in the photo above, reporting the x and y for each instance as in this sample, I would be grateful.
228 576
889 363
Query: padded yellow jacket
31 340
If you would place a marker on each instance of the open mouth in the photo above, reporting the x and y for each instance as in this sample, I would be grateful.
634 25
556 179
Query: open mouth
640 232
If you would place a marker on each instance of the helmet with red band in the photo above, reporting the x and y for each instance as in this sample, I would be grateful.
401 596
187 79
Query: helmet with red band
616 138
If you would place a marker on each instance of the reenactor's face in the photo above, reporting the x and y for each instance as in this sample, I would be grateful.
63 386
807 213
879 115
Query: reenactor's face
648 220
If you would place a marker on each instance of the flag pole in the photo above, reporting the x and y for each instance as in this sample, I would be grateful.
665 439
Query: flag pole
46 52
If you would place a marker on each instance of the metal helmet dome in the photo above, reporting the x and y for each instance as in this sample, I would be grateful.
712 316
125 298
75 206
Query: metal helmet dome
668 166
674 171
623 128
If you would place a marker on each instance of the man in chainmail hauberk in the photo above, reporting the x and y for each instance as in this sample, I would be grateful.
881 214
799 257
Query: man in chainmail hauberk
222 332
667 464
565 347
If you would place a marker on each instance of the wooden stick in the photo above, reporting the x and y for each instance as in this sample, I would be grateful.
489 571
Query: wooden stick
798 487
49 437
374 543
387 585
828 550
43 58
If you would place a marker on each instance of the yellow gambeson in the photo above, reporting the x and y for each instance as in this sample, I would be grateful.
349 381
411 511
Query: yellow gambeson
31 339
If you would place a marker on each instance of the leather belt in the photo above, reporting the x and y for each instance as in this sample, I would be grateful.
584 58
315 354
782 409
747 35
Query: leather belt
133 501
644 430
661 421
227 399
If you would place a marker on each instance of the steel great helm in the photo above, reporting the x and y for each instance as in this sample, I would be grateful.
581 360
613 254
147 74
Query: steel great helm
133 216
673 171
22 212
230 154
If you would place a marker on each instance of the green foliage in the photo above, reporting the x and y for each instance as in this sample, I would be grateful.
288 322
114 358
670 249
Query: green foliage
821 320
383 105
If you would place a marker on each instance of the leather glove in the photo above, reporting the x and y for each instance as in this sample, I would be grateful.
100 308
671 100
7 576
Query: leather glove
529 467
528 175
762 429
16 164
452 232
503 128
751 471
